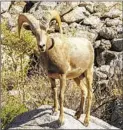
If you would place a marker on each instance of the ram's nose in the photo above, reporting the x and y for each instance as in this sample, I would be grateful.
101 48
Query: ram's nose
42 47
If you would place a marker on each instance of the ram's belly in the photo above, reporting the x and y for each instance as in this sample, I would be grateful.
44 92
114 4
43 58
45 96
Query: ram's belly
70 75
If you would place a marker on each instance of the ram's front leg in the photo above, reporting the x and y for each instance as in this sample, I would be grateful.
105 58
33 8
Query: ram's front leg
54 94
62 89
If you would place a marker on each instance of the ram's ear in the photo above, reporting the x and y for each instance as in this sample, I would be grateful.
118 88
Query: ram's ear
26 26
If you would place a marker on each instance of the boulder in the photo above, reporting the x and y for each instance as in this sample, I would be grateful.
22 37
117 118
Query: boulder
90 7
92 20
76 15
103 89
113 13
117 113
108 33
104 69
100 7
46 5
117 45
16 9
65 27
85 34
105 57
113 22
65 7
5 6
105 44
42 118
96 44
99 75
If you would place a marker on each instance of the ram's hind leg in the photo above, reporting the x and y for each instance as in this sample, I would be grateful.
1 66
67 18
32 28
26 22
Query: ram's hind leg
83 97
89 79
55 96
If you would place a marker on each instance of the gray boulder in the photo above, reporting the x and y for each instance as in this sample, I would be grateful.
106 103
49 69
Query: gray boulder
65 7
105 44
117 45
5 6
99 75
96 44
94 21
113 13
90 7
100 7
105 57
76 15
108 33
117 113
42 118
16 9
46 5
112 22
104 69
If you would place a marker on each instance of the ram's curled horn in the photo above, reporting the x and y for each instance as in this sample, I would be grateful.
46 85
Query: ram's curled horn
54 15
30 19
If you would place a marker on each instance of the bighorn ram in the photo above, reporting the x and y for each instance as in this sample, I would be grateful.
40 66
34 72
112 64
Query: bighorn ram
67 58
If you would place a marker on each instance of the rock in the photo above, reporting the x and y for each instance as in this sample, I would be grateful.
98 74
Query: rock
90 7
105 57
11 22
108 33
117 45
99 75
14 92
92 20
103 88
75 15
5 16
111 4
112 22
65 27
105 44
42 118
96 44
113 13
16 9
5 6
104 69
120 29
46 5
98 14
85 34
100 7
65 7
41 9
117 113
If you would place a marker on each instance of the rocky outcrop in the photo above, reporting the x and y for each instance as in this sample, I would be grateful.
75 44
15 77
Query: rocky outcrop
42 118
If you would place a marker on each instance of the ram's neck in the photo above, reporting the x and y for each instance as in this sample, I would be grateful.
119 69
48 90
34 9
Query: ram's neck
58 56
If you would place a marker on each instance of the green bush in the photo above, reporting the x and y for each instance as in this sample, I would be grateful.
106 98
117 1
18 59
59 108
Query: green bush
15 58
12 108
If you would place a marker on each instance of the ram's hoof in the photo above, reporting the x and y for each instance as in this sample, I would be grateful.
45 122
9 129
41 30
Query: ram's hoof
77 115
86 122
54 113
61 121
